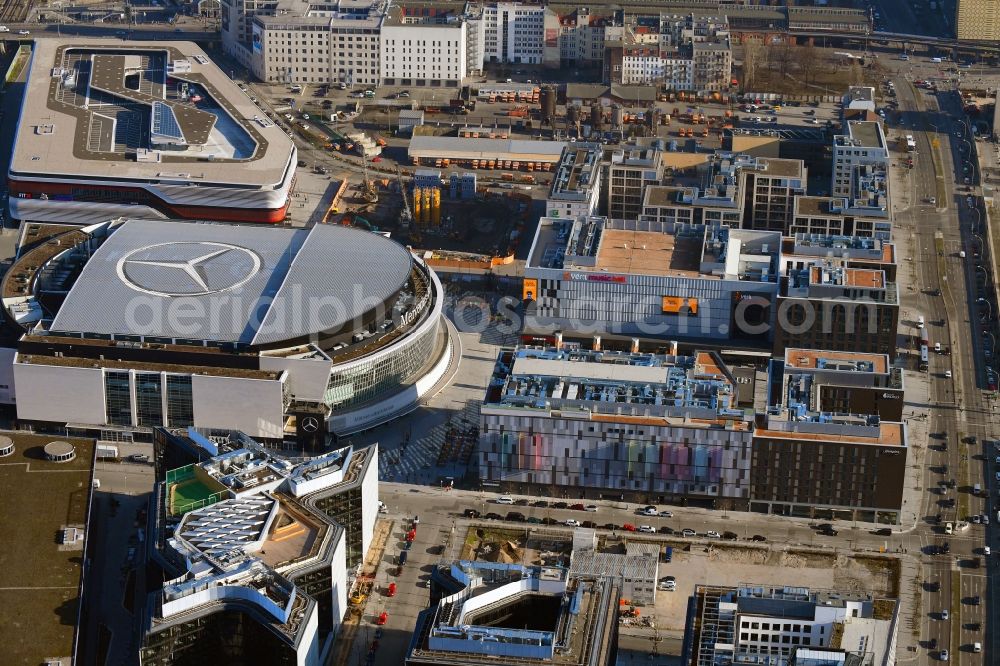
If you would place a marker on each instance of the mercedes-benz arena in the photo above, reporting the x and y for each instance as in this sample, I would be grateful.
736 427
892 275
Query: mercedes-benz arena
150 130
272 331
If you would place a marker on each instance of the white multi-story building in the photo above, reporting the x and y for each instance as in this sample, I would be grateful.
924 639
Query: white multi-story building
302 43
514 32
863 145
793 623
432 50
576 186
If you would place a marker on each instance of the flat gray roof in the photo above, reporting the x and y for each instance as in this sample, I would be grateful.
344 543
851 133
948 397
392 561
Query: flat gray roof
477 149
57 138
224 283
866 133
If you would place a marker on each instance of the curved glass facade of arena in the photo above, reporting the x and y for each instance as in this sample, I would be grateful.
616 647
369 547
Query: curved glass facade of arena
386 370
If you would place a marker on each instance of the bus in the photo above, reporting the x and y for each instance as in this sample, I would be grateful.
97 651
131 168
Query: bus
924 360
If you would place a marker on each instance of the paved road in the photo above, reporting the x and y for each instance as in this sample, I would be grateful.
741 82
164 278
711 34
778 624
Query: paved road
959 408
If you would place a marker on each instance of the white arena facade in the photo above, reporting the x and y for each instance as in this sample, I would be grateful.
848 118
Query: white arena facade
276 332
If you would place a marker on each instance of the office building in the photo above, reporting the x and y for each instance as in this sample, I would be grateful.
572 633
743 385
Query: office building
293 41
772 186
615 278
259 548
272 331
514 32
148 130
576 186
850 251
562 421
836 302
977 20
789 626
438 45
868 217
860 149
632 168
841 382
824 412
510 613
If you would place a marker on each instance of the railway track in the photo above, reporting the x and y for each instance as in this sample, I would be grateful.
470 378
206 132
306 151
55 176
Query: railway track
14 11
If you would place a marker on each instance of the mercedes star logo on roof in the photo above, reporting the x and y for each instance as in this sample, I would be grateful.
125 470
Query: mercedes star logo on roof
188 268
310 424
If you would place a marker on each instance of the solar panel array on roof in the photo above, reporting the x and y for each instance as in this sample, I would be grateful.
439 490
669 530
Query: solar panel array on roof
165 122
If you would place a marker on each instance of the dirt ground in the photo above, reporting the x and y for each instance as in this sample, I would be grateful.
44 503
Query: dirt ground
761 566
804 70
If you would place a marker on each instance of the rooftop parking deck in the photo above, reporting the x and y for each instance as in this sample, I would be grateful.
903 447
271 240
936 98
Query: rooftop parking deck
89 111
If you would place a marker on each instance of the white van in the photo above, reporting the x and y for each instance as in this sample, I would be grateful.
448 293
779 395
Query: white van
977 647
505 499
97 484
936 60
937 347
920 321
977 489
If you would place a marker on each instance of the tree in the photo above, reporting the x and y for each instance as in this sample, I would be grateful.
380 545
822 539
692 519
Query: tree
753 52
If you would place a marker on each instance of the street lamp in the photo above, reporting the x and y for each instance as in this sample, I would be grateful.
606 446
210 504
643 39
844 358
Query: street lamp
986 273
989 305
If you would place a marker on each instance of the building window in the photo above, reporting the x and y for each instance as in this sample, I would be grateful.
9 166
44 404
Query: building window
180 406
149 398
117 398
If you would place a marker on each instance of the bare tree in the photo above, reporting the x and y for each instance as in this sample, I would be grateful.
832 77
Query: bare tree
807 61
753 54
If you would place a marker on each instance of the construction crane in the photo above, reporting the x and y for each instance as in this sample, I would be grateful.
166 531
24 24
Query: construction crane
370 193
406 215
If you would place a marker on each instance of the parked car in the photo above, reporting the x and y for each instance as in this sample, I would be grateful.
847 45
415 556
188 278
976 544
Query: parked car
560 505
493 516
664 529
540 503
688 532
712 534
648 511
515 517
572 522
758 537
577 507
646 529
666 514
470 513
591 507
730 536
628 527
882 531
505 499
521 502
